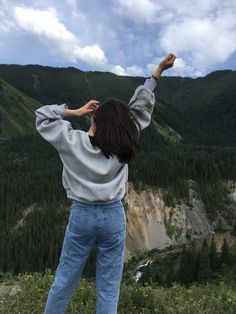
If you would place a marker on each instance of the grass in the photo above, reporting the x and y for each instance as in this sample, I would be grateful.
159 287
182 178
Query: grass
134 298
168 133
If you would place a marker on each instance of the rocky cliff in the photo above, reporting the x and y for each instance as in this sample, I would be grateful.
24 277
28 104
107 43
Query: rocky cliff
152 224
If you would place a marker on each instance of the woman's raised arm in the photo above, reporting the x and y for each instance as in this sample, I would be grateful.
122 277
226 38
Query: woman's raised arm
142 102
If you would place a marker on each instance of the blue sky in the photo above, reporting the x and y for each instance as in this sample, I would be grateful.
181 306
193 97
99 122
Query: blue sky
126 37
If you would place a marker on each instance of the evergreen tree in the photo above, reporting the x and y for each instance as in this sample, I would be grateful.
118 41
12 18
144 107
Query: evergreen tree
170 277
204 268
213 256
185 270
233 231
193 262
225 255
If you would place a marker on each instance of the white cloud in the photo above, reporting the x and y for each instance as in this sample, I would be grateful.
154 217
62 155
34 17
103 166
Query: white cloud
135 71
180 68
46 25
139 10
130 71
117 69
93 55
206 42
190 8
43 23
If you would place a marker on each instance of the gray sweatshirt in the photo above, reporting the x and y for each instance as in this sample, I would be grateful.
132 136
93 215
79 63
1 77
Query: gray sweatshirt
88 176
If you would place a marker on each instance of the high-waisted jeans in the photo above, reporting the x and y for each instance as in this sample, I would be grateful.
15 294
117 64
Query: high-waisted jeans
88 224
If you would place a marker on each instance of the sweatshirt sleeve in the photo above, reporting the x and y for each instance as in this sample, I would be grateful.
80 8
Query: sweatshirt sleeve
51 126
142 103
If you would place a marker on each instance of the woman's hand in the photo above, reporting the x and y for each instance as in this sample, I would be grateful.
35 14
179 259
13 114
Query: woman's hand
90 106
168 62
165 64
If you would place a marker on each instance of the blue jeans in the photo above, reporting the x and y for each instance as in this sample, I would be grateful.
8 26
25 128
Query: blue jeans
88 224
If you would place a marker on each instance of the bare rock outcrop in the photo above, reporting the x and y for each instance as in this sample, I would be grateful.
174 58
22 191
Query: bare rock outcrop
151 224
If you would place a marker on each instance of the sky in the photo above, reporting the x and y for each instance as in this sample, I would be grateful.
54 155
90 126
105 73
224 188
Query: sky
126 37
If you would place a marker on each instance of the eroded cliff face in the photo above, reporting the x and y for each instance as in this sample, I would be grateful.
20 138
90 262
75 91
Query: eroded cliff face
152 224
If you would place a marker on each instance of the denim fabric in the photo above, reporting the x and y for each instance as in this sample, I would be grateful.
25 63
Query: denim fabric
88 224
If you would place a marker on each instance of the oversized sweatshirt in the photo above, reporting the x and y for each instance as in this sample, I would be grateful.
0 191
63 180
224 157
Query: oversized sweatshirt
87 175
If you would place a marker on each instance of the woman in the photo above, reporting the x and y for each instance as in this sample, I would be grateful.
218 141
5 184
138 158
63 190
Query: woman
95 170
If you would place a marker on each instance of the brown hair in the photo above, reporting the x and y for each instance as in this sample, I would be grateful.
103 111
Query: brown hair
117 131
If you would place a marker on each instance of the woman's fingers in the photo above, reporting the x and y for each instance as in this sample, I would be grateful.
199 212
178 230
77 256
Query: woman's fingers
171 57
93 101
92 105
170 60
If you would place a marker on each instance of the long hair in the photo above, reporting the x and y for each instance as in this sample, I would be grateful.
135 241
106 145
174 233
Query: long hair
117 131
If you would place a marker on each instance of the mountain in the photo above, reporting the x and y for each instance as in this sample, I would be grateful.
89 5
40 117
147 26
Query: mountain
57 85
201 111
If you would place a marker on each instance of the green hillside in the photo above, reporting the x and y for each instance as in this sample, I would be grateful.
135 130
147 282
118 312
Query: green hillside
57 85
201 110
17 117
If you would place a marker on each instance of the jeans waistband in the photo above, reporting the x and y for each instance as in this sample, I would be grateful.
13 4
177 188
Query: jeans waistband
106 205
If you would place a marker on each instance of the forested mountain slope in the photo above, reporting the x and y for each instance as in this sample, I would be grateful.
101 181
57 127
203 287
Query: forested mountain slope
201 110
17 117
